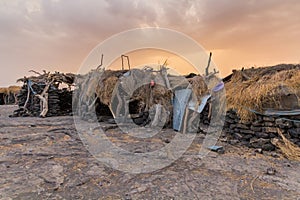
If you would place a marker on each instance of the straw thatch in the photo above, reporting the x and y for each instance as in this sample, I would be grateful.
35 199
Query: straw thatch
105 84
9 94
134 87
199 87
263 88
14 89
160 93
10 90
4 90
289 149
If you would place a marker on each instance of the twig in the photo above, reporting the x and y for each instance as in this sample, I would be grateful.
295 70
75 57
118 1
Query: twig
186 183
208 64
101 63
35 72
28 95
251 184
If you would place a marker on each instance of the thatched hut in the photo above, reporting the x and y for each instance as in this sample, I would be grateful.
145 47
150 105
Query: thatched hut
263 89
9 95
263 105
144 95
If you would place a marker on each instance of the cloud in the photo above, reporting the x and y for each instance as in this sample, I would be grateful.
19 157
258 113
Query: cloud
60 33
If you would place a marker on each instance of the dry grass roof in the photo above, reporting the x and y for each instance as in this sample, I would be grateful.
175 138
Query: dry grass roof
262 88
11 89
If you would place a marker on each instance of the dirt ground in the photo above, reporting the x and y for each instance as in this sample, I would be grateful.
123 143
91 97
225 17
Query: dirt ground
44 158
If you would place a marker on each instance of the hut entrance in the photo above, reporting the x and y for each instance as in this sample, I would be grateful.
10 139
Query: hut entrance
102 111
2 96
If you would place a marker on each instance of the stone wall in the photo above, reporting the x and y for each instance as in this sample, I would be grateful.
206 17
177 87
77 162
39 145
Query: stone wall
258 133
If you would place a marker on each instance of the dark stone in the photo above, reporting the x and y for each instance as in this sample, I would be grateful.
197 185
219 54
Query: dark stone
236 130
257 123
295 132
262 135
230 121
269 124
269 119
255 128
247 123
230 131
258 142
297 124
246 131
279 121
294 140
271 171
259 118
236 120
232 126
247 137
275 155
268 147
238 136
242 126
283 123
245 143
233 142
269 129
259 151
226 125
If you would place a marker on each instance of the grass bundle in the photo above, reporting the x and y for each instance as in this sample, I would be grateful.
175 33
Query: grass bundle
289 149
261 91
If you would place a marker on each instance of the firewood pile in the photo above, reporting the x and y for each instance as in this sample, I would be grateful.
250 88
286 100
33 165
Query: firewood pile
45 95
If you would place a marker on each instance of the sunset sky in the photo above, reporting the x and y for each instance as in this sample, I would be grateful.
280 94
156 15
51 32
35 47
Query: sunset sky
59 34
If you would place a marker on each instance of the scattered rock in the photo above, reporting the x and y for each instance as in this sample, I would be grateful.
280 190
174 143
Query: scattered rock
271 171
259 151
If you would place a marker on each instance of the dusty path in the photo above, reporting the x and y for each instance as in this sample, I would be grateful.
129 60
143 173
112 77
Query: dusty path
45 159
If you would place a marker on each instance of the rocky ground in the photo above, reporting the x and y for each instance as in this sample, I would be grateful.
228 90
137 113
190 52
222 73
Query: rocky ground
44 158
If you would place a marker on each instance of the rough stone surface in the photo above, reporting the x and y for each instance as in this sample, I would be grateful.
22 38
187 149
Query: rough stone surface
45 159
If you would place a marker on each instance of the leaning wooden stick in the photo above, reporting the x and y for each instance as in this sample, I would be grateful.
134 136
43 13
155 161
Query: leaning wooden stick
44 99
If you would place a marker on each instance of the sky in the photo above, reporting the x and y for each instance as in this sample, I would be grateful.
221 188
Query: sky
57 35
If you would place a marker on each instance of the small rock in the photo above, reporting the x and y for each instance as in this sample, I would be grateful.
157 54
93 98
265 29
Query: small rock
167 141
259 150
255 128
237 135
247 131
275 155
269 129
269 119
242 126
271 171
218 149
268 147
269 124
127 197
233 142
262 135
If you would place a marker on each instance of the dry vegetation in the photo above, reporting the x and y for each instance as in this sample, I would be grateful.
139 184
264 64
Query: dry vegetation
289 149
261 89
